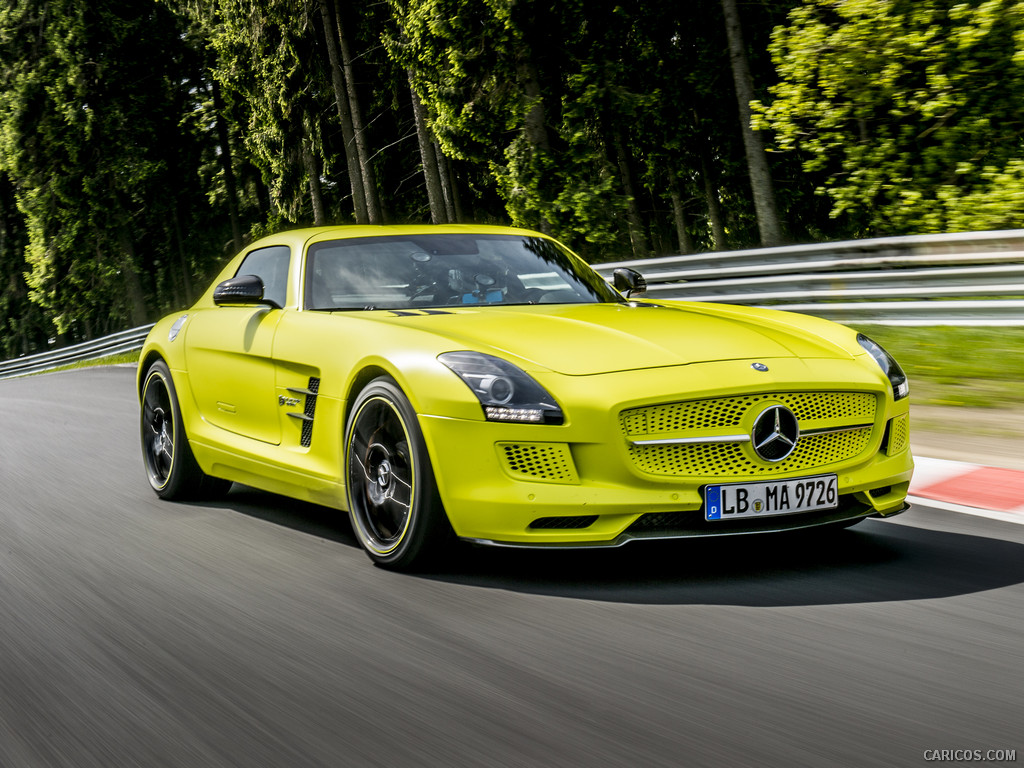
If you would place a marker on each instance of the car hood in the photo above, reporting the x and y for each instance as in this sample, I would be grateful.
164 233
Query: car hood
587 339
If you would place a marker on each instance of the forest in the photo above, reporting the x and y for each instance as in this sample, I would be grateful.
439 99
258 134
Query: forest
144 142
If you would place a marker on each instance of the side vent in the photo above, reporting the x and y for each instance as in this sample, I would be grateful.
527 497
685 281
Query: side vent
309 412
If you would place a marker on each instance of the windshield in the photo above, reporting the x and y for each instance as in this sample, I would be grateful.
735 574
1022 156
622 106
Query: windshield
424 271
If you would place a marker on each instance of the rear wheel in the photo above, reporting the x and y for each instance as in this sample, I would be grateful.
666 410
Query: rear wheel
393 501
170 466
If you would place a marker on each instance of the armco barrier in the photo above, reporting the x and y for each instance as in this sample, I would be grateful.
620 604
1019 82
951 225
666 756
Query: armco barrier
967 278
970 278
115 344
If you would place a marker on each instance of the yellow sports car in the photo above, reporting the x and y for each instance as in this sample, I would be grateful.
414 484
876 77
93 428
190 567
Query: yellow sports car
484 384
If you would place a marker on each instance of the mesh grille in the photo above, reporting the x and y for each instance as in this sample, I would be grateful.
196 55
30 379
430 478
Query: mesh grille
899 434
310 411
539 462
729 411
731 459
553 523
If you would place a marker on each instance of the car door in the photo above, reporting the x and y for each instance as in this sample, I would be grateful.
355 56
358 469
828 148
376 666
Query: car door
229 354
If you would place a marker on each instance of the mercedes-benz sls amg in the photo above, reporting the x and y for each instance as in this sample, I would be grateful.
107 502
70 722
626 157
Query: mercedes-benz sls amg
485 384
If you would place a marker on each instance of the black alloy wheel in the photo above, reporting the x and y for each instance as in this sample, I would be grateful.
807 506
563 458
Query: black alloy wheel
394 506
171 468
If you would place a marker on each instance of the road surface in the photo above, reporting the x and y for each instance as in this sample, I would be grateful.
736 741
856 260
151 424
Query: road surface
254 632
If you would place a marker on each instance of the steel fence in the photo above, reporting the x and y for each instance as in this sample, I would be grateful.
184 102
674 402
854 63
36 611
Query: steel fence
115 344
969 278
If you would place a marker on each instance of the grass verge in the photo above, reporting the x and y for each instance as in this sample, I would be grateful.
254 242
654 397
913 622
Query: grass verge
979 367
124 357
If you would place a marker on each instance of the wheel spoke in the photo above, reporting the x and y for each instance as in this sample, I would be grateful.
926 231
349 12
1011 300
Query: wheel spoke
358 469
396 505
380 473
167 445
158 430
359 447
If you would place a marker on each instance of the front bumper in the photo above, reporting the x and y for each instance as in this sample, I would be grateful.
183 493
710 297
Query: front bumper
581 483
688 525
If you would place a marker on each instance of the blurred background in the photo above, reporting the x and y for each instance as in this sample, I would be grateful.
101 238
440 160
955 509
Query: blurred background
143 143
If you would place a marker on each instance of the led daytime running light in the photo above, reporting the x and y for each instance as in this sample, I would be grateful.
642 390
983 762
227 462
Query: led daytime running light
500 413
506 392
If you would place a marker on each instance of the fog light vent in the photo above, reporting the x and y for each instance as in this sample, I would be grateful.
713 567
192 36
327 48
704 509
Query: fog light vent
899 434
574 522
539 462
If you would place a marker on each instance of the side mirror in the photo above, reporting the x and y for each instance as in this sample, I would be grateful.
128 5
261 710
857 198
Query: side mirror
244 289
629 282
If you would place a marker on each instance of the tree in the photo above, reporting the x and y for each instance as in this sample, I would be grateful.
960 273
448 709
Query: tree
905 112
144 143
87 121
757 163
23 327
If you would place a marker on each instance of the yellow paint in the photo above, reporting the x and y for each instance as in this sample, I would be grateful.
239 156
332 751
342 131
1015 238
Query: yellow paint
231 364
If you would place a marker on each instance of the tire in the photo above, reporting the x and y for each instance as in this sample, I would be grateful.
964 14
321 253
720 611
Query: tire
393 502
171 468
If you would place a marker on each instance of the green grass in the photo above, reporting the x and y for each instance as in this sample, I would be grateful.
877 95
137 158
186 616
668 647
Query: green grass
977 367
124 357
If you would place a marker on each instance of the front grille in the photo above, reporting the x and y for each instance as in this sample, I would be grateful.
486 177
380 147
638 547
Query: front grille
734 415
728 412
539 462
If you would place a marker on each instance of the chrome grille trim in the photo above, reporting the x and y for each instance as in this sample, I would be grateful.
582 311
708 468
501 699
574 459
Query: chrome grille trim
694 440
833 430
714 439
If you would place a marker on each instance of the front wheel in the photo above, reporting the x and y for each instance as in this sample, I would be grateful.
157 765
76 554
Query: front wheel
393 501
170 466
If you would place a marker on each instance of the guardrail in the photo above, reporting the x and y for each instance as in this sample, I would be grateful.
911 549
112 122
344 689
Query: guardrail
115 344
968 278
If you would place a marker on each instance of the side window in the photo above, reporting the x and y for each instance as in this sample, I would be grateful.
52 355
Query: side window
271 266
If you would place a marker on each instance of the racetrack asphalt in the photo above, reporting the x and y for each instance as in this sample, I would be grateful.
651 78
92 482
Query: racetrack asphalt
252 632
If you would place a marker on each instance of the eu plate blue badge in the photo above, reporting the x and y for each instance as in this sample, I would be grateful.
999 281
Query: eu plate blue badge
713 503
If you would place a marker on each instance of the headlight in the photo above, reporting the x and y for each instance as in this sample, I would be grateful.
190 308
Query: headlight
507 393
889 366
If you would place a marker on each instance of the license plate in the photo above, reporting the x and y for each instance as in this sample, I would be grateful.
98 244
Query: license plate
779 497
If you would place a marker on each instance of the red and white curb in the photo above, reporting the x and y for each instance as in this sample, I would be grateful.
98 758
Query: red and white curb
971 488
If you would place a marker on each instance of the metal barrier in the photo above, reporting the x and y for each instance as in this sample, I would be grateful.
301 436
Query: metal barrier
115 344
968 278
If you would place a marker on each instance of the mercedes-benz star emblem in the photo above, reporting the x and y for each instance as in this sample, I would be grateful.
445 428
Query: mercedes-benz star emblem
775 433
